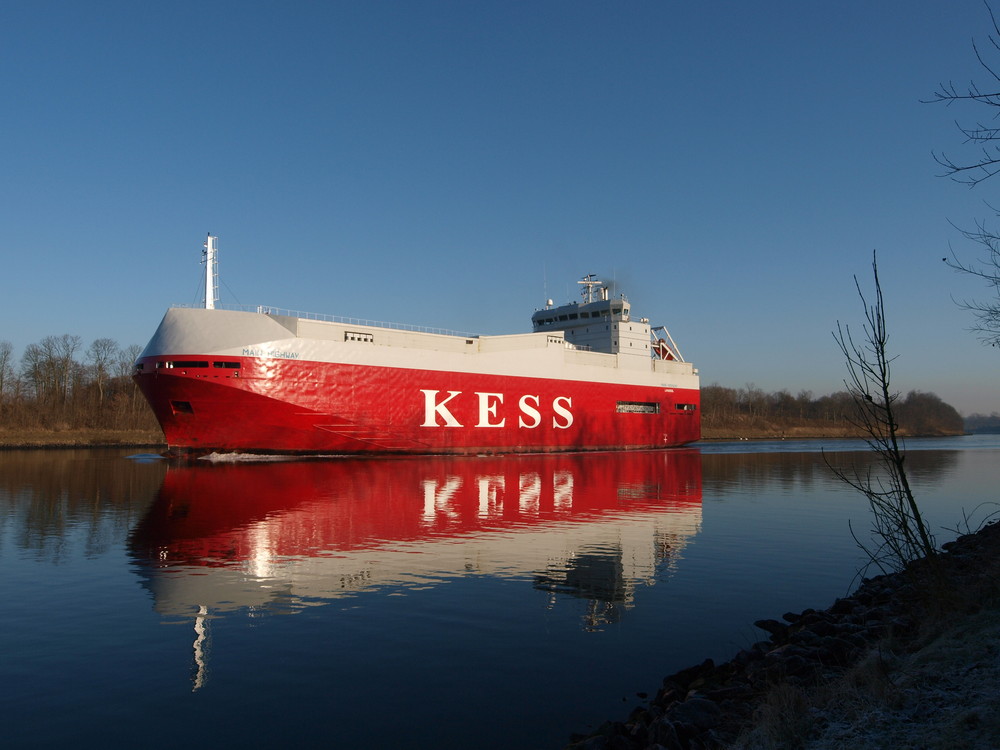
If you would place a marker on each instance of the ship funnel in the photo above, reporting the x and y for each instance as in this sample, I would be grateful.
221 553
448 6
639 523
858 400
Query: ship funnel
211 252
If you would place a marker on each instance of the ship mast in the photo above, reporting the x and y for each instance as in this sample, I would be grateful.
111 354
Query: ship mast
589 282
211 252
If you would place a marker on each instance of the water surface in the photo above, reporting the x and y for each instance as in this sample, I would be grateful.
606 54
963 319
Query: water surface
415 602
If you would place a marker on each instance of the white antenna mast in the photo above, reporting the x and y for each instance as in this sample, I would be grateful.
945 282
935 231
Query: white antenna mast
211 253
589 281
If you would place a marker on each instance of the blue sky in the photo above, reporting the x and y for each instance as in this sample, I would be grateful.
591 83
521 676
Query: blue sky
730 165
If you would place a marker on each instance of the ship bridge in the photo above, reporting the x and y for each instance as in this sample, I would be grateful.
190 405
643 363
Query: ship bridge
598 322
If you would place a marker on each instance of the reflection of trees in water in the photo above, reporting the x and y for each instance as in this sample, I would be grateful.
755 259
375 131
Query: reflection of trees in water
727 472
55 496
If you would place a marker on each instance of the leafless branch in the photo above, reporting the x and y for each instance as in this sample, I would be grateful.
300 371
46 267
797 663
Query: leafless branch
898 525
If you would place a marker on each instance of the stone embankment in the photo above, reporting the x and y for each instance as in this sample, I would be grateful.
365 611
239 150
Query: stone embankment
843 675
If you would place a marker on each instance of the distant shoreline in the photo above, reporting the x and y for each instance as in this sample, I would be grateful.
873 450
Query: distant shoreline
81 438
86 438
804 432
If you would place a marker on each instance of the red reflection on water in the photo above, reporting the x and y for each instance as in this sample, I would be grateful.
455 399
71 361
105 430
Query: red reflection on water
212 514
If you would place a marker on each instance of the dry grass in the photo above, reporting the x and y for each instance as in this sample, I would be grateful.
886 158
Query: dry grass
944 695
776 432
78 438
935 690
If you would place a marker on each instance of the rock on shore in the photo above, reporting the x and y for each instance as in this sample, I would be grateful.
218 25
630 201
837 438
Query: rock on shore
805 686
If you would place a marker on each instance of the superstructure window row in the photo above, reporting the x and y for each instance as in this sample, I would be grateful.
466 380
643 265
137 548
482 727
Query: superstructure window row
573 316
356 336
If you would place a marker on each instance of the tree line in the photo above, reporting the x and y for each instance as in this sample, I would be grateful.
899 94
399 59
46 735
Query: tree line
983 422
61 385
750 408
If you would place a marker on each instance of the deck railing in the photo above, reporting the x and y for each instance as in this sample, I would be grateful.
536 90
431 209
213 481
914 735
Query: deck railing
269 310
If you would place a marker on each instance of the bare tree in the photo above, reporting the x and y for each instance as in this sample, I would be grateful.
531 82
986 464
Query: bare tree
987 268
125 360
101 355
986 161
753 400
982 163
132 405
6 368
36 368
66 347
898 525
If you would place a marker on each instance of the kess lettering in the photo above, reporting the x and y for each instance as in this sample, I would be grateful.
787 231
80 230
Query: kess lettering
530 412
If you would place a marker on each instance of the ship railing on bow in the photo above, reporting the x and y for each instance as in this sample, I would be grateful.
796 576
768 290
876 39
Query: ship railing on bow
269 310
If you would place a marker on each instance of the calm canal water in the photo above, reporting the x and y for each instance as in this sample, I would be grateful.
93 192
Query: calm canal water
412 603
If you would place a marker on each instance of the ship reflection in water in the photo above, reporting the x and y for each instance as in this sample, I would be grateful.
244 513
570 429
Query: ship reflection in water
268 537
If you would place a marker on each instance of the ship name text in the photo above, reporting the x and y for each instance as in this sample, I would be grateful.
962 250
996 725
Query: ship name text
437 410
273 353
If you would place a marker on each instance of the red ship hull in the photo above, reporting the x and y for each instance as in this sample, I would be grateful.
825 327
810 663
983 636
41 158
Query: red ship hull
292 406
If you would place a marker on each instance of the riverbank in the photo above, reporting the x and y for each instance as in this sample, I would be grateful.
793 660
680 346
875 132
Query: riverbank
76 438
812 432
799 432
908 660
81 438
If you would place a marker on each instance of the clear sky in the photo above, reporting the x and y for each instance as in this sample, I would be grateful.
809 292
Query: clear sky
731 165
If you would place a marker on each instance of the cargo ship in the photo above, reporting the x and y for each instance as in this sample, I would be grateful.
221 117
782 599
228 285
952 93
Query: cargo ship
590 376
